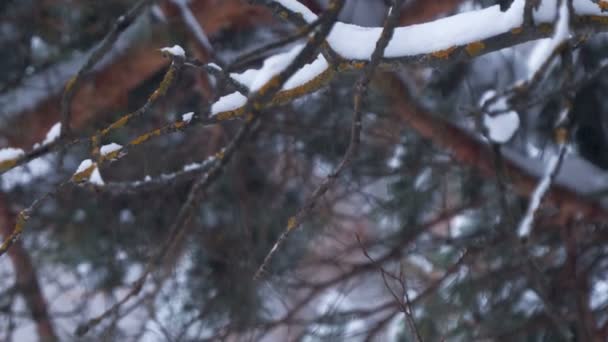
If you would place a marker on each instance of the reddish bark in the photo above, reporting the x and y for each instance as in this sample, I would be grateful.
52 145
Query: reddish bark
470 151
27 281
107 89
424 10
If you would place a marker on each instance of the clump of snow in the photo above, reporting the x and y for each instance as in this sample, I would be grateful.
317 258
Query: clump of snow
503 125
96 177
53 134
9 153
175 50
187 117
109 148
85 164
229 102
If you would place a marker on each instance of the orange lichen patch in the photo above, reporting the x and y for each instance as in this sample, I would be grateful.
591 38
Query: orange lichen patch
7 164
84 174
561 135
599 19
292 223
358 65
179 124
603 5
444 54
249 117
517 30
473 49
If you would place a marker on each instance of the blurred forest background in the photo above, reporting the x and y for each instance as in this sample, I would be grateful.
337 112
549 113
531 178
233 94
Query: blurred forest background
415 241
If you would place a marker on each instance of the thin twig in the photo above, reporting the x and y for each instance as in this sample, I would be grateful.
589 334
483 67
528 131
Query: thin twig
355 137
71 86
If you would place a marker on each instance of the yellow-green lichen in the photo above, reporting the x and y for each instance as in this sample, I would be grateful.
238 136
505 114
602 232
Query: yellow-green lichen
475 48
164 85
144 137
517 30
292 223
231 114
7 164
70 83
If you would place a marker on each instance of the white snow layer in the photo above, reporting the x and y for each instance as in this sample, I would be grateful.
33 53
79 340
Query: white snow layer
229 102
273 66
85 164
255 79
545 47
109 148
356 42
525 226
9 153
502 126
175 50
